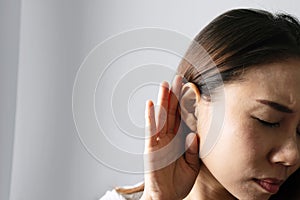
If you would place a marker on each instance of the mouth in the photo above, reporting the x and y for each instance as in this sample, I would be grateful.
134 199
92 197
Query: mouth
271 185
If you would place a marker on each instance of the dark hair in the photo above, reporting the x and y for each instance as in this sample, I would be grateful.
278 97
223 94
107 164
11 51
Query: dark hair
235 41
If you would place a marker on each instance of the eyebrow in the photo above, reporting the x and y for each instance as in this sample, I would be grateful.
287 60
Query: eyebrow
276 106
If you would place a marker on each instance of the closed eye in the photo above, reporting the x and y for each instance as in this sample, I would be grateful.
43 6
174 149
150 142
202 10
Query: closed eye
266 123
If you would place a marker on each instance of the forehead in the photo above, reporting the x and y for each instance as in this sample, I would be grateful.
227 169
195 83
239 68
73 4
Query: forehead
278 81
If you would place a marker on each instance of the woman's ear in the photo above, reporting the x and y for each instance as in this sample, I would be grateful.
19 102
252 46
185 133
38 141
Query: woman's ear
190 97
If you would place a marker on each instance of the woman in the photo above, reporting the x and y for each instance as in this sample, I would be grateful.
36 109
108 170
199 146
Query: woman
256 154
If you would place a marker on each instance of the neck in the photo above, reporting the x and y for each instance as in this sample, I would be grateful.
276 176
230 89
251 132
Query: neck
206 187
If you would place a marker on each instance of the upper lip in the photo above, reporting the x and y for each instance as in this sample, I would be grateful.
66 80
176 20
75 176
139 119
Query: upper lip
274 181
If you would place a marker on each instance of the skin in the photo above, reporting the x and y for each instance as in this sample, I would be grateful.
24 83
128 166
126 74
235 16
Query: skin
249 147
176 179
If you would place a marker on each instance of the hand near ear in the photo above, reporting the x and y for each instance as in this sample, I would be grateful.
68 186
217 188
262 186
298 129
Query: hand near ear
172 156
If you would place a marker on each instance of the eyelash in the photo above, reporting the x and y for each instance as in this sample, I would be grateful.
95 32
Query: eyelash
269 124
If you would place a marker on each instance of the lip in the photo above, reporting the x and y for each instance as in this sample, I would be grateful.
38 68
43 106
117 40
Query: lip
271 185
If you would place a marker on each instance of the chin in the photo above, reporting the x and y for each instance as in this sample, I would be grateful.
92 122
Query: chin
252 196
256 197
250 193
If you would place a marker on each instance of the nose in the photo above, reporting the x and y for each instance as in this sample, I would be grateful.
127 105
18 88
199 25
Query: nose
287 153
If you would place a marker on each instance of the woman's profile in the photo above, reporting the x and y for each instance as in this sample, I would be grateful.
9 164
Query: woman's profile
257 154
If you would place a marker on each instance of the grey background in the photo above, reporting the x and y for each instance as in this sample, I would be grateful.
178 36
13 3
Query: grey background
42 46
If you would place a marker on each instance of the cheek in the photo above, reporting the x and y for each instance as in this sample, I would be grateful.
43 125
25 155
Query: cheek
237 148
237 156
243 144
204 130
237 142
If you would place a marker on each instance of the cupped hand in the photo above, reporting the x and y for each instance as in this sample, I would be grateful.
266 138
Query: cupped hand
171 156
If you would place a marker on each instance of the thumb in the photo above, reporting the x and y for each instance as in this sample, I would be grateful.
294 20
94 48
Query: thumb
192 151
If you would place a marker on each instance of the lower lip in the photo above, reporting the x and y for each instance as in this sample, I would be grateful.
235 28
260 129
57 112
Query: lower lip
269 187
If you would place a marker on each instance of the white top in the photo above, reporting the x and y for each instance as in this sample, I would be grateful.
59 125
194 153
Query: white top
114 195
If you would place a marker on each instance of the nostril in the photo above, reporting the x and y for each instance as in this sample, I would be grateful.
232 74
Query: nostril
287 154
292 153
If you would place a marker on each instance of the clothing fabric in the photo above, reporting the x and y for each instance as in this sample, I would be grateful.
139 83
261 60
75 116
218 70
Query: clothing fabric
114 195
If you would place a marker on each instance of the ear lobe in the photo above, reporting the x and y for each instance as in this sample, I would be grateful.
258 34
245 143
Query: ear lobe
190 97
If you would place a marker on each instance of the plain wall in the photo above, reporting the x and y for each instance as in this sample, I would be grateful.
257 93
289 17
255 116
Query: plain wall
49 160
9 57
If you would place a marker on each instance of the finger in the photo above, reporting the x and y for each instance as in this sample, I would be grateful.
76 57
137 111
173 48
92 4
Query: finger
178 126
150 128
162 102
192 151
173 104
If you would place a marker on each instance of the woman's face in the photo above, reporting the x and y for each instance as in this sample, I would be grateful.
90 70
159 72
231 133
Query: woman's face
259 146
